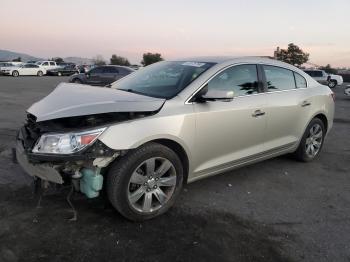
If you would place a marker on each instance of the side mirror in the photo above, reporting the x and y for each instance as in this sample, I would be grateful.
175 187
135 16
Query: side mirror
214 95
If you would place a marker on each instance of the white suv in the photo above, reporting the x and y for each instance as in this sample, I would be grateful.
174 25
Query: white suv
171 123
324 78
48 65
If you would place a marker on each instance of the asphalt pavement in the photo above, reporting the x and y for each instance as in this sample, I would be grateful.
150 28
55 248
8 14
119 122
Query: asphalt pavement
276 210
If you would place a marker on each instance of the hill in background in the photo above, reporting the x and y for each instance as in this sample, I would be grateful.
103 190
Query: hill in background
6 55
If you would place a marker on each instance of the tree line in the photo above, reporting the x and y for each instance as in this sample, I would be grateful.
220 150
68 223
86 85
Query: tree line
147 59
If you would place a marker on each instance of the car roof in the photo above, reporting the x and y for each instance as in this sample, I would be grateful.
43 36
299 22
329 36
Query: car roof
237 59
119 66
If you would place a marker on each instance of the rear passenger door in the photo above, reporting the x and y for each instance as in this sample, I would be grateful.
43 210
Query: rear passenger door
287 108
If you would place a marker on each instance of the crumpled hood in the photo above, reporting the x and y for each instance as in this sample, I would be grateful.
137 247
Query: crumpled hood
69 100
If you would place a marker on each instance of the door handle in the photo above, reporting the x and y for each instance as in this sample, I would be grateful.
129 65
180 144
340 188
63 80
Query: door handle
305 103
258 113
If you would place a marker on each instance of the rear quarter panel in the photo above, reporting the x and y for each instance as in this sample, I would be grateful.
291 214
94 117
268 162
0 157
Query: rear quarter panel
321 103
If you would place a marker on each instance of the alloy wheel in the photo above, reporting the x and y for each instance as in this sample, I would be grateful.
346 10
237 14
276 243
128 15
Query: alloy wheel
152 184
331 84
314 141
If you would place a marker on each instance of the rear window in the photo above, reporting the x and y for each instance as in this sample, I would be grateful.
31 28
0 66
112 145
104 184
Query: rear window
300 81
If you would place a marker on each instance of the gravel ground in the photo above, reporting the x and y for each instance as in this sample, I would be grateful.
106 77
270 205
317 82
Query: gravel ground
276 210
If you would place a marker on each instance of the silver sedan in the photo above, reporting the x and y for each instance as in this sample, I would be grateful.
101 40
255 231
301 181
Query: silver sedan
172 123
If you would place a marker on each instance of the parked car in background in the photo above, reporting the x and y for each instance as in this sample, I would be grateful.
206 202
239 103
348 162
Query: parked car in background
326 79
24 70
172 123
15 63
66 64
135 67
48 65
4 65
67 70
85 68
101 75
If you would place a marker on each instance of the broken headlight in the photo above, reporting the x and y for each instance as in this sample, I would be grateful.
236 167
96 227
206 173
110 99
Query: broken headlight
66 143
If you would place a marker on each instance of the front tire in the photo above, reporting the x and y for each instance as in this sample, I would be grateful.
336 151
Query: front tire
146 182
312 141
40 73
15 73
332 83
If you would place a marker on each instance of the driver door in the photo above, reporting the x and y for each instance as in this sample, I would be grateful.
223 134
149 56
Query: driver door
230 132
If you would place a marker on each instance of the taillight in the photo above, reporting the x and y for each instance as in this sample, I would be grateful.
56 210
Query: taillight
333 96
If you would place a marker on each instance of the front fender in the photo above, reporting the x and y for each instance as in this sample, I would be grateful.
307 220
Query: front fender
132 134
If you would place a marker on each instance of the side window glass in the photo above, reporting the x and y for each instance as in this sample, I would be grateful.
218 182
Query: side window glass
318 74
241 79
278 78
45 64
299 81
97 70
52 63
110 70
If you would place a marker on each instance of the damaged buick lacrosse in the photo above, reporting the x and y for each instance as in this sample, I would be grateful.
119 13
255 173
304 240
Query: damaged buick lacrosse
172 123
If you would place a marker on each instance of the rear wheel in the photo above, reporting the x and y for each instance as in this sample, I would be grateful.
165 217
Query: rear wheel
15 73
40 73
146 182
312 141
332 83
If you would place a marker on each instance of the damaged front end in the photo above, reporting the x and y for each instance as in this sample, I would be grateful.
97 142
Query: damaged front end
61 160
59 141
80 159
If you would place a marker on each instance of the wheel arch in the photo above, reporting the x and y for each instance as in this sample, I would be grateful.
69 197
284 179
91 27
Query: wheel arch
320 115
179 150
323 118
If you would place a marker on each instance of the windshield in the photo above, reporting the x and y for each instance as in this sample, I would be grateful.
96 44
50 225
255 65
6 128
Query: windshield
163 79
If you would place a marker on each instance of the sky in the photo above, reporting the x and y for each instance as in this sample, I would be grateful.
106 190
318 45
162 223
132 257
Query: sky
176 28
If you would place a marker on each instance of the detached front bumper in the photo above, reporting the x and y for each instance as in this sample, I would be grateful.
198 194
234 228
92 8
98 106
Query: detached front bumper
44 171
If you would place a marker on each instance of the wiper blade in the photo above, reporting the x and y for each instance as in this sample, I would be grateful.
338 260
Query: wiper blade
133 91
